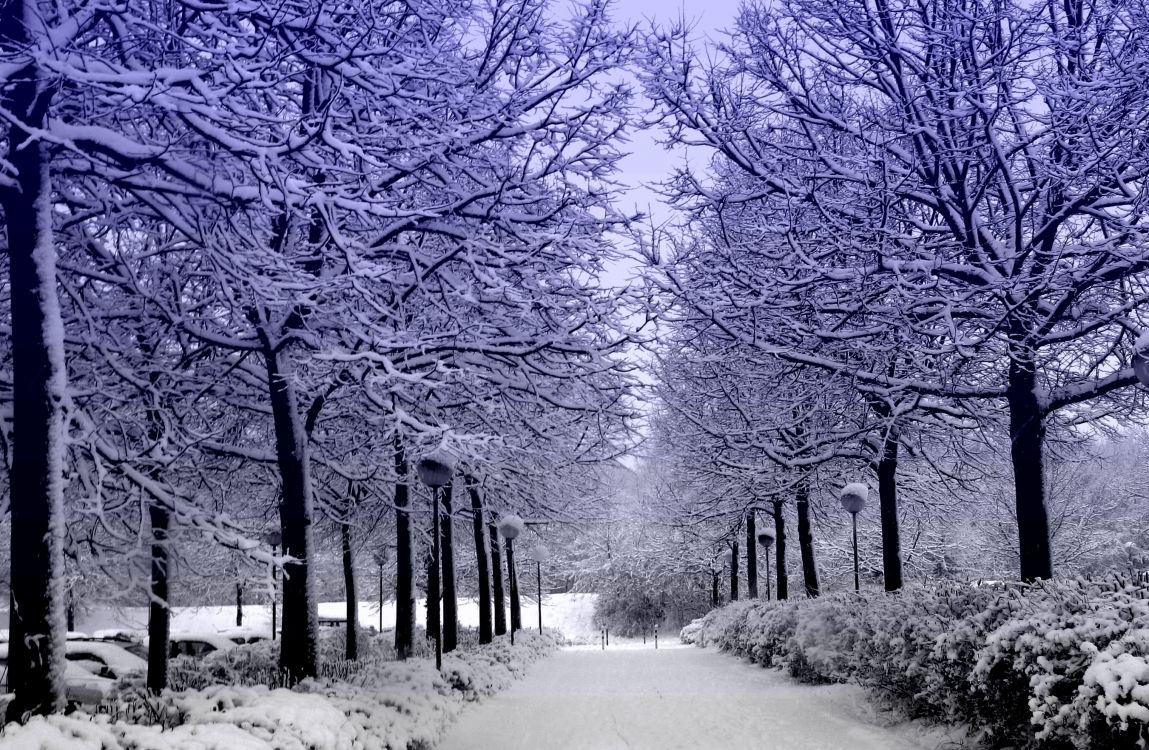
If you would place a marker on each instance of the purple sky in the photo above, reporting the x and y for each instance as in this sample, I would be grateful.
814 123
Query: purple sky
648 161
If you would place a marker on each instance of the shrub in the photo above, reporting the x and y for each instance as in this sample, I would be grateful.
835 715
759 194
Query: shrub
1048 666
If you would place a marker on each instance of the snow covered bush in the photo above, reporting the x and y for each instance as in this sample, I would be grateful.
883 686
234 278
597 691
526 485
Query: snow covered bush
1058 665
385 705
1112 703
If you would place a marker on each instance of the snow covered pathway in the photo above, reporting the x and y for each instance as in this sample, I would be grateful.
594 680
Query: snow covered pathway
676 697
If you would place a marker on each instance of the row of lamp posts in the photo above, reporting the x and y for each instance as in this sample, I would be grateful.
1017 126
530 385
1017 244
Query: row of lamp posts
435 471
853 500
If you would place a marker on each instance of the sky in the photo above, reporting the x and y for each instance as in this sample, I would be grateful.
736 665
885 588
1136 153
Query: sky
648 162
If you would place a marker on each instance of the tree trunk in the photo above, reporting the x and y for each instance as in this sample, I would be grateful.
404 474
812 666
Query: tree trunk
1027 437
783 587
481 562
352 651
447 548
497 582
404 564
734 570
888 500
751 557
714 600
39 385
239 605
159 611
513 580
297 652
806 539
70 613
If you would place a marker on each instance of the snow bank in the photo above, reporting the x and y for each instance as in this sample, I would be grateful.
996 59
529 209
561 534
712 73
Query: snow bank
384 706
1062 665
573 614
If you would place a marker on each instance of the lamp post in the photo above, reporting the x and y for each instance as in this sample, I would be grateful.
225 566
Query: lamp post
435 470
766 540
510 526
273 538
539 554
853 499
381 561
728 563
1141 357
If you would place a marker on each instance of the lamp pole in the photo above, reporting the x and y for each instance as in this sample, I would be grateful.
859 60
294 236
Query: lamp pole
766 540
273 538
853 499
435 470
539 553
381 561
510 526
728 564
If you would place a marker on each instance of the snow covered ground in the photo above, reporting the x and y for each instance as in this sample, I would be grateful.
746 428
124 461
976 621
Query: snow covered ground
677 697
386 706
572 614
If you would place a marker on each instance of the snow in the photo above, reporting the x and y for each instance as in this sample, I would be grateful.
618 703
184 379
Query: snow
676 697
118 660
1142 343
571 614
511 526
385 706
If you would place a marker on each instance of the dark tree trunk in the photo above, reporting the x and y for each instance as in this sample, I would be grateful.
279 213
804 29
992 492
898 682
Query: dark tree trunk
888 500
239 605
481 562
71 612
297 652
447 547
36 646
404 562
806 539
159 612
751 557
497 582
513 580
734 571
783 587
714 600
352 652
1027 437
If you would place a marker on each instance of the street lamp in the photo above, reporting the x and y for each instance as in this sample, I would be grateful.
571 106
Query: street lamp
1141 357
435 470
853 499
273 539
510 526
729 561
381 561
766 540
539 554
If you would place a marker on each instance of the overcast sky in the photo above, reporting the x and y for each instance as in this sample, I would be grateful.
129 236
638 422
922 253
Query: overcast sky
649 162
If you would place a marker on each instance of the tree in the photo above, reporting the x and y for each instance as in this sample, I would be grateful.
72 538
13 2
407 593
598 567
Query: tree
39 380
936 196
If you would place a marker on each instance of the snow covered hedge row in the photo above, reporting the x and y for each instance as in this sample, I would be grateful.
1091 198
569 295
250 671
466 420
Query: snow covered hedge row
1062 665
388 705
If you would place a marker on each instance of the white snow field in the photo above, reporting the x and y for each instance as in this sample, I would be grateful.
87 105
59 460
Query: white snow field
571 614
637 698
